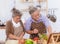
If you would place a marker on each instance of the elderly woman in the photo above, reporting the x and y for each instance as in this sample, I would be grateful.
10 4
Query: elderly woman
14 28
37 23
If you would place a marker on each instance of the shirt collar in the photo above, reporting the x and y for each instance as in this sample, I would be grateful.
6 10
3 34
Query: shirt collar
15 24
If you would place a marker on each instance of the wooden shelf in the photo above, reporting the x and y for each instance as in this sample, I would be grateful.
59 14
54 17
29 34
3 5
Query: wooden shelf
24 1
42 0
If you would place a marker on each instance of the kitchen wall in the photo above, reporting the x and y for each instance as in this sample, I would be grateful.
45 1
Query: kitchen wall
5 9
7 5
55 4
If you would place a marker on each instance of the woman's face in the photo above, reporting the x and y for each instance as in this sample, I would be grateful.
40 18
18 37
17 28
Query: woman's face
17 19
35 15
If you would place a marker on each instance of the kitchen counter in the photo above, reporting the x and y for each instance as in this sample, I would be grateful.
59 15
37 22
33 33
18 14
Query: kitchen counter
3 27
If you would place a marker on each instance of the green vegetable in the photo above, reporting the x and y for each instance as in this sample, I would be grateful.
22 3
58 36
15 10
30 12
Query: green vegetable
43 36
29 41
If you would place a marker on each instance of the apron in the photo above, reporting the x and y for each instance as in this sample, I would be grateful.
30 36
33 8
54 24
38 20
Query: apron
17 31
40 27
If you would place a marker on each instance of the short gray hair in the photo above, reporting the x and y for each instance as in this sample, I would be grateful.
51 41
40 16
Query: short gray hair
32 9
16 12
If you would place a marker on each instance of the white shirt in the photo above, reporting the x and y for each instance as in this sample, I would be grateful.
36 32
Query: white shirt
16 24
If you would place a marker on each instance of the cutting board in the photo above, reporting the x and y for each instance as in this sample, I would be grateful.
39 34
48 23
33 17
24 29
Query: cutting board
11 42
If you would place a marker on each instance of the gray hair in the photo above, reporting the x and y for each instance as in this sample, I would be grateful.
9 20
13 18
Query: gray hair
32 10
16 12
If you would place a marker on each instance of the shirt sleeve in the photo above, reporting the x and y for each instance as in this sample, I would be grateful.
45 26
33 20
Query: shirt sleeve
46 21
27 25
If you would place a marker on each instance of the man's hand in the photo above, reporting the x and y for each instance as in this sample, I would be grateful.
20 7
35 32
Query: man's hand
35 31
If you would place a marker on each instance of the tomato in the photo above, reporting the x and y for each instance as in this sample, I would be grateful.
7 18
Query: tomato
36 39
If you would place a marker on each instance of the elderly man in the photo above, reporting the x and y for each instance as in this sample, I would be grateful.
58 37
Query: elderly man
14 28
37 23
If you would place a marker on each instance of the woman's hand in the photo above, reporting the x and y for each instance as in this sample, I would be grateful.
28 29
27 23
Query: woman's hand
35 31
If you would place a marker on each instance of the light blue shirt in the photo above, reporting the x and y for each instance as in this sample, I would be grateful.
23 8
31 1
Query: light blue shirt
42 18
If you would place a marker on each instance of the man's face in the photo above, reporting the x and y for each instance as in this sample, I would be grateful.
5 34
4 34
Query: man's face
17 19
35 15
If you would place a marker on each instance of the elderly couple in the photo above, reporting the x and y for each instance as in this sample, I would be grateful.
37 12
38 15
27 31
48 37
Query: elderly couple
37 23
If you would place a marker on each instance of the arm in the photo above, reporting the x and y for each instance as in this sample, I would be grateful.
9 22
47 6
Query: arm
35 31
27 26
21 36
47 24
11 36
29 31
15 37
49 29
